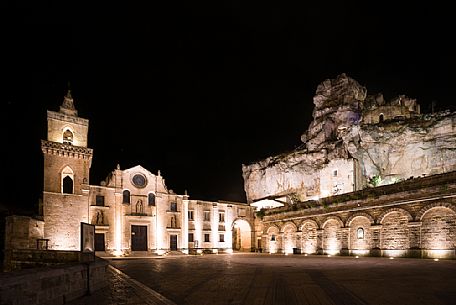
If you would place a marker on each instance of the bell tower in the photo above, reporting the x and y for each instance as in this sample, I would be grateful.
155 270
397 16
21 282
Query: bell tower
67 161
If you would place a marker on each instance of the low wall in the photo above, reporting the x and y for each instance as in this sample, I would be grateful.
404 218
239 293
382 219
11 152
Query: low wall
56 285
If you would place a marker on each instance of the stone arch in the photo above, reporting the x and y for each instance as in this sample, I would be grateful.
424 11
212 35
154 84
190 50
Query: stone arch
67 135
312 221
309 236
241 234
360 235
359 214
394 232
335 218
332 235
438 227
271 228
67 180
427 208
288 224
289 236
400 210
273 241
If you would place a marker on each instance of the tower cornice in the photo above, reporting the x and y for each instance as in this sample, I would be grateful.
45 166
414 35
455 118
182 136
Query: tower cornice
66 150
67 118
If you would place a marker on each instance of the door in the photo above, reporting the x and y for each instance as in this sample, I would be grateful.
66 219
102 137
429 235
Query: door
99 242
138 238
173 242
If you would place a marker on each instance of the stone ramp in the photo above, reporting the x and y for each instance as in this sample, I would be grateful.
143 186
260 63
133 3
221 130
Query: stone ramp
122 289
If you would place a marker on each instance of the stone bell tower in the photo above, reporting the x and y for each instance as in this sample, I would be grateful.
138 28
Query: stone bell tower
67 162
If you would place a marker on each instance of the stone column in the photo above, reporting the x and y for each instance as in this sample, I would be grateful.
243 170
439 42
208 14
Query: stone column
184 226
319 241
414 229
345 238
376 243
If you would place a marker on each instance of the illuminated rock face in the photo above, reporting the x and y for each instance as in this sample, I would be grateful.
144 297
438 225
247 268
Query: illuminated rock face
356 140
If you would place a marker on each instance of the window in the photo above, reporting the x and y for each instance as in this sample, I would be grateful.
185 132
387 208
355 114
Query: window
67 137
126 196
173 207
206 238
381 118
207 215
190 215
221 238
335 173
67 180
360 233
67 185
273 237
151 199
190 237
221 217
99 200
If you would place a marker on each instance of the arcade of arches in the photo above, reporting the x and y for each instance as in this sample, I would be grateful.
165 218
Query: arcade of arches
427 229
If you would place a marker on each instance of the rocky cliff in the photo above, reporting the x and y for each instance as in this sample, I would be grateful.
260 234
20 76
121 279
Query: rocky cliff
363 138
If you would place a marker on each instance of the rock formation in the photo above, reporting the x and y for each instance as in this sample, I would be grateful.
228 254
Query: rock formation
354 141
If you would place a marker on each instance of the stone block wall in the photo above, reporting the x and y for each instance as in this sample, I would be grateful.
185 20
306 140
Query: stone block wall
22 232
63 214
57 285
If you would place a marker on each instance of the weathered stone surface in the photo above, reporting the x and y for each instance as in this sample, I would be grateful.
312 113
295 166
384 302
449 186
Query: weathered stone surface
353 141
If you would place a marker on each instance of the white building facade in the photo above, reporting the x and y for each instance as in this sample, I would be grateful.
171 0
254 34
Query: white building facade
132 210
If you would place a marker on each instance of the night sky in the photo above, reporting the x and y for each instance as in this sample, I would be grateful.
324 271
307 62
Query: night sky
197 90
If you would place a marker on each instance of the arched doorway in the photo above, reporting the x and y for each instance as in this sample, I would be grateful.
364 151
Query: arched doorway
242 235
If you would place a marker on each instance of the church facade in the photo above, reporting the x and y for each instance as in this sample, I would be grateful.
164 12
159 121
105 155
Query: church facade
132 210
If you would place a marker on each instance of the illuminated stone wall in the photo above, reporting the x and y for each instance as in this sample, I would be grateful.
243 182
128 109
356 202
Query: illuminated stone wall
54 164
63 214
413 218
59 122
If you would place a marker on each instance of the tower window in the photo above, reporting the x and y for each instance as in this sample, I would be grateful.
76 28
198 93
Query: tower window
67 185
151 199
126 196
67 137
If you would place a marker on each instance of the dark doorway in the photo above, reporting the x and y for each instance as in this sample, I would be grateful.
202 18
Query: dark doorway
99 242
138 238
173 242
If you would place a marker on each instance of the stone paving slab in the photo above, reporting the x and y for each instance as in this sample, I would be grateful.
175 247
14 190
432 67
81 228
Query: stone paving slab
122 289
296 279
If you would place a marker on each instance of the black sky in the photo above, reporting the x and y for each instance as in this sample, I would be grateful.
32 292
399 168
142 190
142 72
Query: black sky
197 90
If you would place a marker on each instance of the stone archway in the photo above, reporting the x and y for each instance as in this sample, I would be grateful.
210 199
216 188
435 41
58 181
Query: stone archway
242 235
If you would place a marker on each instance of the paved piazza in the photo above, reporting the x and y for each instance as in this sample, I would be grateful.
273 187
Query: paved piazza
295 279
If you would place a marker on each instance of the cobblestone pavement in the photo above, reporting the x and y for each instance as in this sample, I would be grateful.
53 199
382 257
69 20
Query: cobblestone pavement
294 279
122 289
